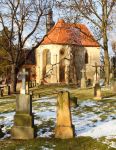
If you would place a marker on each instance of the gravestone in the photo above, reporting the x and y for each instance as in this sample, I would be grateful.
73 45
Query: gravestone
33 83
6 90
64 128
30 84
74 101
96 75
97 92
23 120
83 79
1 92
27 87
23 77
113 87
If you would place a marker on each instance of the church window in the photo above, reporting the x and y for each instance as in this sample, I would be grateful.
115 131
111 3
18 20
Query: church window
48 57
86 58
62 52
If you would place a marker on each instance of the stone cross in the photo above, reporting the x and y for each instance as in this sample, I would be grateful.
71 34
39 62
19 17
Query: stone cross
96 70
23 74
83 79
83 73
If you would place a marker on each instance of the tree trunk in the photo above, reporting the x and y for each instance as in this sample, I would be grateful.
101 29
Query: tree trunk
106 66
13 78
105 42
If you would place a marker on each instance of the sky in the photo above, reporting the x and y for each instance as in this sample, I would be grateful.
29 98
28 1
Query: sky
57 15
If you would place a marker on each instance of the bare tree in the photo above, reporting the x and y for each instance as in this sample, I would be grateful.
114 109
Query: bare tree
23 19
98 14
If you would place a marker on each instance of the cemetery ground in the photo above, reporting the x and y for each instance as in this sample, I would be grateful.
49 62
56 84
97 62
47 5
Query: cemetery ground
94 121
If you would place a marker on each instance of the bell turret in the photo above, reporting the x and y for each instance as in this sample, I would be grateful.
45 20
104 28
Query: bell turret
49 20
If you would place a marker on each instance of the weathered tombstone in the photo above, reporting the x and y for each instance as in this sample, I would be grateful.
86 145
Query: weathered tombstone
97 92
73 101
6 90
23 74
27 87
23 120
64 128
34 83
113 87
96 75
1 92
30 84
83 79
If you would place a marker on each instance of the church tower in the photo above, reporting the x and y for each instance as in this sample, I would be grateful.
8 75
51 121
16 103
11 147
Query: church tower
49 20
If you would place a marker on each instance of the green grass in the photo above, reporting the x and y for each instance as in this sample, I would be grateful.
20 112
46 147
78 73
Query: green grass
82 94
80 143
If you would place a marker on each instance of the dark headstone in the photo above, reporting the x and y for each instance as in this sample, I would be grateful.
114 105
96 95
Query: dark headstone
6 90
1 92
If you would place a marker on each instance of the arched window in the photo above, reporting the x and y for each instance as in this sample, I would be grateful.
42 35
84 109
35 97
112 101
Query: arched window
48 57
86 58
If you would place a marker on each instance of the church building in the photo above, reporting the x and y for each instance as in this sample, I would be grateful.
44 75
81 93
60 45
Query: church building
66 49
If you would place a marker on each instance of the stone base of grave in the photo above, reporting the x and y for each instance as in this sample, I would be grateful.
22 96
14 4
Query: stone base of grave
97 92
21 132
62 132
23 119
97 98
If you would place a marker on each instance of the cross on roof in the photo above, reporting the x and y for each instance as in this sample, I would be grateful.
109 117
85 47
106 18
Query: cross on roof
23 74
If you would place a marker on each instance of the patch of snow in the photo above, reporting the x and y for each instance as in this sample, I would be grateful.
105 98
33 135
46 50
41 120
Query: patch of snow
88 103
105 129
45 99
113 144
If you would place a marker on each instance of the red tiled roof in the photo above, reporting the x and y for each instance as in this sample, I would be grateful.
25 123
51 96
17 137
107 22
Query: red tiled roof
65 33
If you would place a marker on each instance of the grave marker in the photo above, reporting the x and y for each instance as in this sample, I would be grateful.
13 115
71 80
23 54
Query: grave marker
64 128
23 74
96 77
97 92
6 90
1 92
83 79
23 120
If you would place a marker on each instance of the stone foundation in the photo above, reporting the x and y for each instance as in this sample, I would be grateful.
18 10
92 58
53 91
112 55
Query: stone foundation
64 132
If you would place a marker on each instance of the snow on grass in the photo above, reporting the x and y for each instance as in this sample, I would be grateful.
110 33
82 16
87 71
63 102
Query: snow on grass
104 129
88 103
88 119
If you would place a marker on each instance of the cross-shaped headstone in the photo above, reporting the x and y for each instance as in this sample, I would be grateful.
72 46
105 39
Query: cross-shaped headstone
83 73
23 75
96 69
